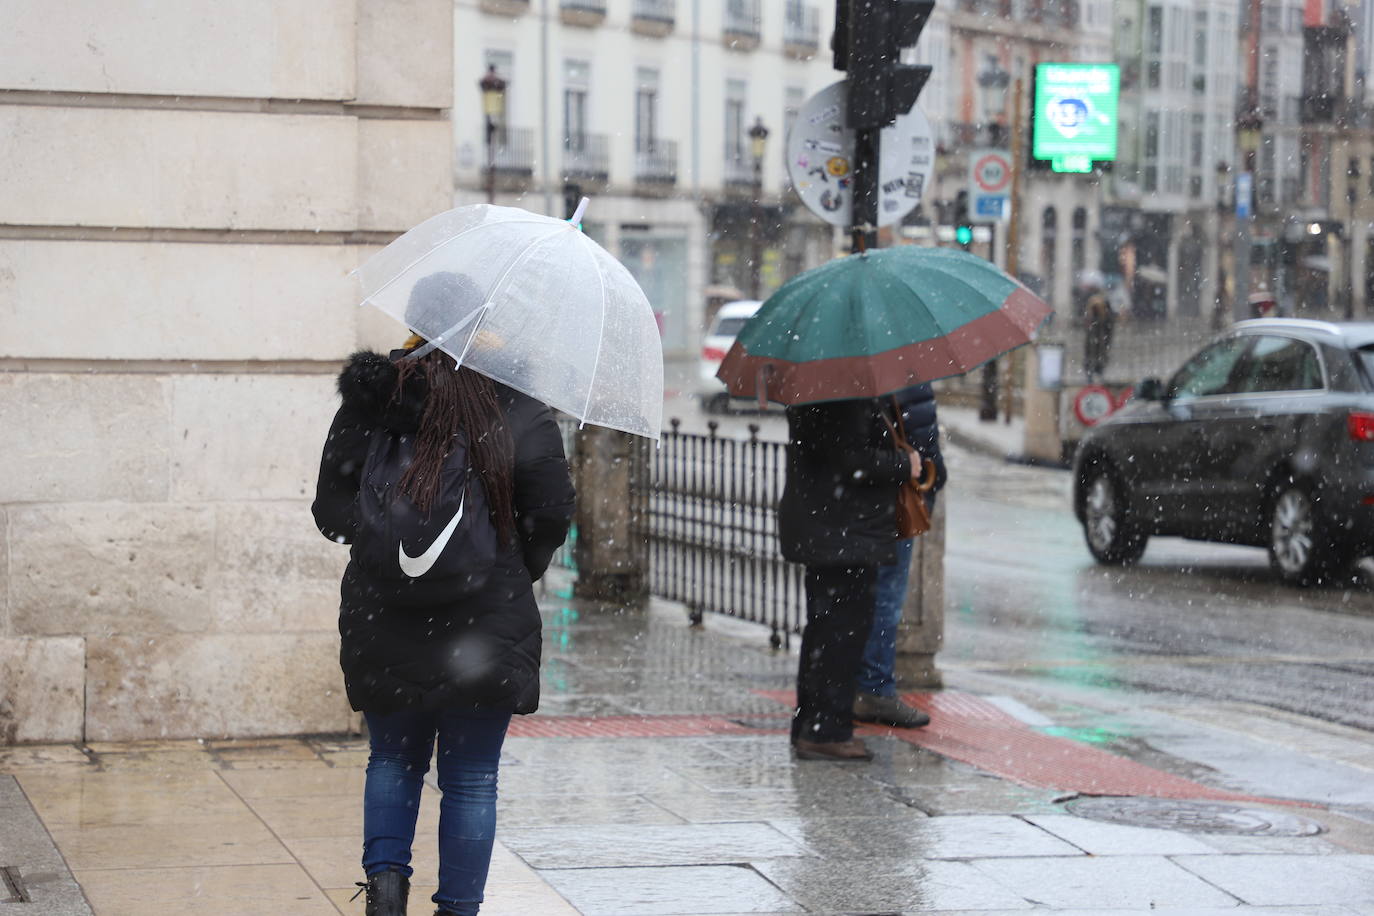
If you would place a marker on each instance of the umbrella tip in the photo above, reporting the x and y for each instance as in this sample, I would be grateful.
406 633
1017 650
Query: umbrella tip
576 218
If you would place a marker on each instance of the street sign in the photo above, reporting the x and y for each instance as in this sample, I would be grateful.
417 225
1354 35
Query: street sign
989 185
820 160
1093 404
1245 183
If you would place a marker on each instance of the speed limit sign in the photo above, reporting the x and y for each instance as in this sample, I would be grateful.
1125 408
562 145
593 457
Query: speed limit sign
989 184
1093 404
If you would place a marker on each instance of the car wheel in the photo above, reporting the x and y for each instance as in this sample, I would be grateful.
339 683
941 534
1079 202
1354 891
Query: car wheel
1301 550
1112 536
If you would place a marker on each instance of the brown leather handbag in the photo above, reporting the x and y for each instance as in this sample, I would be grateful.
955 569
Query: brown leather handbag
913 518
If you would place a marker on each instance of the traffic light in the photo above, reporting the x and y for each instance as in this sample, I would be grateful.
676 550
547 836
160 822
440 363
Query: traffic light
963 229
869 38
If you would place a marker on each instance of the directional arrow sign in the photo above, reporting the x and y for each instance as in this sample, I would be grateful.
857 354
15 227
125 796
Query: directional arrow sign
820 160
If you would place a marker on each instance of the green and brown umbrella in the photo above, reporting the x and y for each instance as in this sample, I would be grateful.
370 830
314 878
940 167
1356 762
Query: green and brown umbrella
874 323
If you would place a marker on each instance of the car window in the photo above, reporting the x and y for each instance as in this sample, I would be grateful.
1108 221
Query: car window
1365 357
1211 371
1279 364
729 327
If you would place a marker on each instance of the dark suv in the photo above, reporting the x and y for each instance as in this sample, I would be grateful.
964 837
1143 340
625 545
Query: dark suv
1265 438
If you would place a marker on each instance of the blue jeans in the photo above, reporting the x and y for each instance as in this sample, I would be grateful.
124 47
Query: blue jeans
469 752
877 671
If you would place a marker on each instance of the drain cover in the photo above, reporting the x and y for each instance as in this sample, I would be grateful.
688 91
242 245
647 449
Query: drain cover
1193 817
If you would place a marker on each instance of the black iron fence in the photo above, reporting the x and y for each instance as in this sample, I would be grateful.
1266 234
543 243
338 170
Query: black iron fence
707 507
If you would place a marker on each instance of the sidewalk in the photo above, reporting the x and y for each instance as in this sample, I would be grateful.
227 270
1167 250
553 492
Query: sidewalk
997 439
656 781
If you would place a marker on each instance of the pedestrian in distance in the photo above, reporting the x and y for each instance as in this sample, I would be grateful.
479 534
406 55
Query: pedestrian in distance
875 698
837 516
454 492
1098 324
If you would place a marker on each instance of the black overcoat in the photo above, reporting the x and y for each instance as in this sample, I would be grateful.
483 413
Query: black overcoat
477 652
839 506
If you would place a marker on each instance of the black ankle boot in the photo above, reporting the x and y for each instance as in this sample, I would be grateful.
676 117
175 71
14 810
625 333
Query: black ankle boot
386 893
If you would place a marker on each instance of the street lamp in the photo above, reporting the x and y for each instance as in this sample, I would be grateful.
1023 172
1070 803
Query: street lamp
494 109
1249 127
992 86
758 145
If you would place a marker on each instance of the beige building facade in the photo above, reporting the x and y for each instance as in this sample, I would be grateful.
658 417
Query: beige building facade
185 193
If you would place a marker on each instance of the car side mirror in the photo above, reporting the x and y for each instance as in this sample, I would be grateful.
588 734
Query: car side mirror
1151 389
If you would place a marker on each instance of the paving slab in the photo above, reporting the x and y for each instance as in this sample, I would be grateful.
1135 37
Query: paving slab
667 891
886 886
1101 884
1101 839
1281 880
27 847
610 846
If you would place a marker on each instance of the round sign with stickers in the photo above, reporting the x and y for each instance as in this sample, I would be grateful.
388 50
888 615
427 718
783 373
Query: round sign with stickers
820 160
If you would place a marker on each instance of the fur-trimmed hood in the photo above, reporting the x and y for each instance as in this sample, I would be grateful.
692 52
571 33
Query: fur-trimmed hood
368 385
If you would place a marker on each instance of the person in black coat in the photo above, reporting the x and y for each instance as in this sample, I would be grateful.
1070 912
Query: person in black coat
837 516
420 663
875 698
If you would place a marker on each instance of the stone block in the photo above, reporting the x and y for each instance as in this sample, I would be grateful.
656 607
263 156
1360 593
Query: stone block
175 301
177 169
255 48
274 571
4 571
44 693
405 53
110 568
249 437
404 173
213 686
83 437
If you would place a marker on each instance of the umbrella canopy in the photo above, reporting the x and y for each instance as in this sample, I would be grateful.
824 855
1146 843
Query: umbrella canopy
874 323
531 302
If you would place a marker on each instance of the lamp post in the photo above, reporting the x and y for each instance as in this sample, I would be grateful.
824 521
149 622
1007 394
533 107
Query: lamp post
758 145
992 86
1219 300
1248 135
494 109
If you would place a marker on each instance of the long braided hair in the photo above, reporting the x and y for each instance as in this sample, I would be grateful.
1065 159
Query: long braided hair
459 402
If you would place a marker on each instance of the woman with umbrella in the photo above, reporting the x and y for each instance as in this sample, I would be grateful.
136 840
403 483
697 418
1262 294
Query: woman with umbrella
453 489
831 344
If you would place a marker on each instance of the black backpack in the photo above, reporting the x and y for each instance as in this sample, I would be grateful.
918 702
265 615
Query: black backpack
450 550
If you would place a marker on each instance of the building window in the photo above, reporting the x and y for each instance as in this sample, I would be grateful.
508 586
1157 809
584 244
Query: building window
1049 236
576 80
646 109
736 92
794 99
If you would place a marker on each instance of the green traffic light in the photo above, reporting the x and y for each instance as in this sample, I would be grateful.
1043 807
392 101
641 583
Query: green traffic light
963 234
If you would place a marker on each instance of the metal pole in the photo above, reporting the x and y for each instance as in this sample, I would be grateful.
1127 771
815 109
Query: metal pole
865 229
544 178
755 239
491 160
1240 306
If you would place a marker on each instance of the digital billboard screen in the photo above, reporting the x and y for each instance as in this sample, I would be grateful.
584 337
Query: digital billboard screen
1074 121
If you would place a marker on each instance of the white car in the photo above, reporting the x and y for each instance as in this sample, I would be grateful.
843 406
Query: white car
719 338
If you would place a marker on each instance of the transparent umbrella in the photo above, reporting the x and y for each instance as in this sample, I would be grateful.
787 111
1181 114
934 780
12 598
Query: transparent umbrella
531 302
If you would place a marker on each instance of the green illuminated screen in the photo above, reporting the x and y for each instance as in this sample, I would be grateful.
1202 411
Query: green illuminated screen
1073 123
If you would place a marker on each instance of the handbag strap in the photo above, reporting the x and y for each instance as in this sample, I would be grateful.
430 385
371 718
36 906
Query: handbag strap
898 429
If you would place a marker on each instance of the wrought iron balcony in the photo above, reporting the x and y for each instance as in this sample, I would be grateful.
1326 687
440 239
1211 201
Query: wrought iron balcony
739 170
586 157
506 7
586 13
801 30
513 151
656 162
654 17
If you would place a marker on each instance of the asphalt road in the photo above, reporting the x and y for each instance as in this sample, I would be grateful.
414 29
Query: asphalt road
1024 600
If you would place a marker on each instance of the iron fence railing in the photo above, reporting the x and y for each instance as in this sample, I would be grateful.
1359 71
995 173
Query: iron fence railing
801 25
656 10
586 156
742 17
513 150
711 522
706 507
656 161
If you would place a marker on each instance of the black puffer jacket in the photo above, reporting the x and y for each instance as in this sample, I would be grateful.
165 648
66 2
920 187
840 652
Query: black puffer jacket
481 651
922 426
839 507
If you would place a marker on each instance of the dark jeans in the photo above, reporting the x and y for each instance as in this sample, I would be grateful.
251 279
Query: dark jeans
469 751
877 672
839 614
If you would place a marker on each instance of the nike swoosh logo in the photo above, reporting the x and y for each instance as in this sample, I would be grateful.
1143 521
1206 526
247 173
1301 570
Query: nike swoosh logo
415 567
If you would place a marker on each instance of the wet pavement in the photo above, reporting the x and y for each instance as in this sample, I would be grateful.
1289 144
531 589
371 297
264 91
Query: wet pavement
657 781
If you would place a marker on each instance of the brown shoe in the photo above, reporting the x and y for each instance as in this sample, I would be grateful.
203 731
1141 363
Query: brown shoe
853 749
869 707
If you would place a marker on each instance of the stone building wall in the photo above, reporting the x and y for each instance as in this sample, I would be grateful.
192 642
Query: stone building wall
185 189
